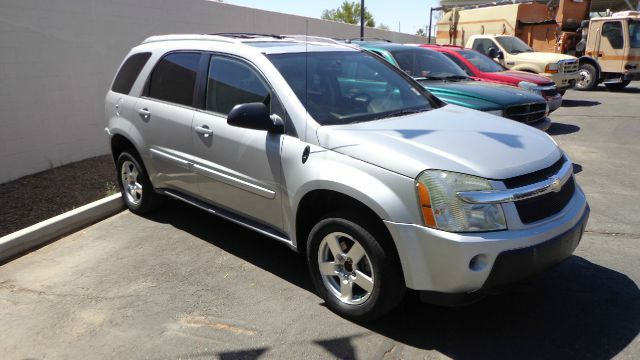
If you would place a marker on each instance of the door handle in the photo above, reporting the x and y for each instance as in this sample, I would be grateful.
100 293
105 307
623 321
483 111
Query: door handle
204 130
145 113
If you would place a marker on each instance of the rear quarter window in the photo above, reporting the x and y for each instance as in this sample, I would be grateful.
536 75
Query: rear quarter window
129 72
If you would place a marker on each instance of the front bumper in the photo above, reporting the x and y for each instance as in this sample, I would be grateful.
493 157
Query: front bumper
554 102
563 81
543 124
439 261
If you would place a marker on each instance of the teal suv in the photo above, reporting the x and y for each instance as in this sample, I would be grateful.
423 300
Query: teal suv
447 81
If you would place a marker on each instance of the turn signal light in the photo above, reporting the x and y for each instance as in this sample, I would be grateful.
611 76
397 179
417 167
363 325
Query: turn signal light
425 205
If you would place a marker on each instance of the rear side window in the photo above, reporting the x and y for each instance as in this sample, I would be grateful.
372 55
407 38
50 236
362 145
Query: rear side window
174 78
129 72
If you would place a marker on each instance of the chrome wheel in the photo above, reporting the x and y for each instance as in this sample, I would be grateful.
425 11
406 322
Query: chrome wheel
345 268
585 79
131 183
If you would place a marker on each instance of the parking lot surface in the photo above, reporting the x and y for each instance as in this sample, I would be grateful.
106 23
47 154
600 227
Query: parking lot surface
185 284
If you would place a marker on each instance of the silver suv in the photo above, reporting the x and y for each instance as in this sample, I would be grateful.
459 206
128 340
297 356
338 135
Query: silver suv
345 159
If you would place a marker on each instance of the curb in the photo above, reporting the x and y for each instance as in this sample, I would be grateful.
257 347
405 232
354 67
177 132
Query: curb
48 230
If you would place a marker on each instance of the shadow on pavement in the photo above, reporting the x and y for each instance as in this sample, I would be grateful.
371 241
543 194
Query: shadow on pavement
576 103
557 128
576 310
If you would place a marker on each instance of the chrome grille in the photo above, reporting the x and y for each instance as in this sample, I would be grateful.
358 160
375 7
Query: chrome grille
526 113
568 66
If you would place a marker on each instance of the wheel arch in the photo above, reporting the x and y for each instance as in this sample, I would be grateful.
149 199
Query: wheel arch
589 60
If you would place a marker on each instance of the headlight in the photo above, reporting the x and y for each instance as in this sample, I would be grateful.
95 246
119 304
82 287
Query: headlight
495 112
551 68
443 209
530 86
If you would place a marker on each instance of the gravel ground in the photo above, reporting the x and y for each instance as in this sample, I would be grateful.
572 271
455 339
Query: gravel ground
34 198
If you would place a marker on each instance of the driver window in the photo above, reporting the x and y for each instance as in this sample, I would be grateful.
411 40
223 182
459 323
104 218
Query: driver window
459 62
483 45
231 82
612 31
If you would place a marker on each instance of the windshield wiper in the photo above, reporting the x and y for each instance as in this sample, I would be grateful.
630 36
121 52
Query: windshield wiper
456 77
422 78
403 112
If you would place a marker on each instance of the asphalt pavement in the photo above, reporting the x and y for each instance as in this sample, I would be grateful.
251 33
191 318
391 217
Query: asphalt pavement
182 284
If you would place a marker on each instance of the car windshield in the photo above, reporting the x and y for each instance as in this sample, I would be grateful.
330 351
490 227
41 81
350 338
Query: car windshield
429 64
342 87
481 61
634 34
513 45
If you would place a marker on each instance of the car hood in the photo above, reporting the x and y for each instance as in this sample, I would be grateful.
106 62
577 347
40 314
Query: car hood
544 57
525 76
480 95
449 138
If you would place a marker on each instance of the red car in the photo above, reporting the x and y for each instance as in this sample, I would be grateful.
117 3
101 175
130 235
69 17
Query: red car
482 68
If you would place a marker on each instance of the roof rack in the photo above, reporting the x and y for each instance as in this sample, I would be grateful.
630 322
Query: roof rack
247 35
366 38
320 39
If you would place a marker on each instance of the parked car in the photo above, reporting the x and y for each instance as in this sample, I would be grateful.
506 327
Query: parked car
482 68
446 80
514 54
344 158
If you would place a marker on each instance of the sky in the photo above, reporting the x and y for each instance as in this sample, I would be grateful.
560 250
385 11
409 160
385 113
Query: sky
409 15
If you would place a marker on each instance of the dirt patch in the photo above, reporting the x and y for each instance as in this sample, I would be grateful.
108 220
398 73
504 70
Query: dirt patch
34 198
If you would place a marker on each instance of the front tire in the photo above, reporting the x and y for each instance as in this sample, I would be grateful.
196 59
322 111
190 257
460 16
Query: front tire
617 86
356 276
137 192
588 77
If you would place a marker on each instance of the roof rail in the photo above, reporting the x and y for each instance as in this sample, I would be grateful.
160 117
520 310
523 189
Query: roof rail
366 38
320 39
247 35
173 37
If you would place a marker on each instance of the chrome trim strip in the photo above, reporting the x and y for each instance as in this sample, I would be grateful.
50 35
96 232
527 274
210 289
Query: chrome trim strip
552 184
262 229
235 182
169 158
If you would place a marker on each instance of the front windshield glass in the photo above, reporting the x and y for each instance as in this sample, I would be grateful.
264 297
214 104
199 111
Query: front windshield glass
513 45
634 34
481 61
423 63
342 87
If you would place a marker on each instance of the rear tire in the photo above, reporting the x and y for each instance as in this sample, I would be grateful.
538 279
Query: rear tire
360 280
137 192
588 77
617 86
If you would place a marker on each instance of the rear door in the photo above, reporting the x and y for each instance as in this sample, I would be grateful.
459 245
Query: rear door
238 169
165 113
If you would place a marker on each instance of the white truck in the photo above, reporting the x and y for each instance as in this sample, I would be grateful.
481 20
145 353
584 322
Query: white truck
514 54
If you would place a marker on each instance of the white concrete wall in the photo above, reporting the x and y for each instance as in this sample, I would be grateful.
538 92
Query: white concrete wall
58 57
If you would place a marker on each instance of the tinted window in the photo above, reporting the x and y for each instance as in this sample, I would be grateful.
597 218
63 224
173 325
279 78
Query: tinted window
634 34
129 72
419 62
612 31
343 87
459 62
483 45
481 61
174 78
232 82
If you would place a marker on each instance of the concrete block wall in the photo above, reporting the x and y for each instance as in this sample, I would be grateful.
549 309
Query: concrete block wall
58 57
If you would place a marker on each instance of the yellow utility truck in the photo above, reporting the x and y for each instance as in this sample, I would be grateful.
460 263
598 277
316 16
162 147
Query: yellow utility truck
608 47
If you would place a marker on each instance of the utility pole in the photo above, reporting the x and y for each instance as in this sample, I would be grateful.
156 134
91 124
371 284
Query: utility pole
361 18
430 21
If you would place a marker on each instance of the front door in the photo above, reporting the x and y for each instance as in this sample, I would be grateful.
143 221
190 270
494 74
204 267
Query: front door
610 54
238 169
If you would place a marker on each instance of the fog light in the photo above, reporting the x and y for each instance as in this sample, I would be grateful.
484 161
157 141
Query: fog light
478 262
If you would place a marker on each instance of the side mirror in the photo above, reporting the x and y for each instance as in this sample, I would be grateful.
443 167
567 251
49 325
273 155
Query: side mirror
500 55
255 116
